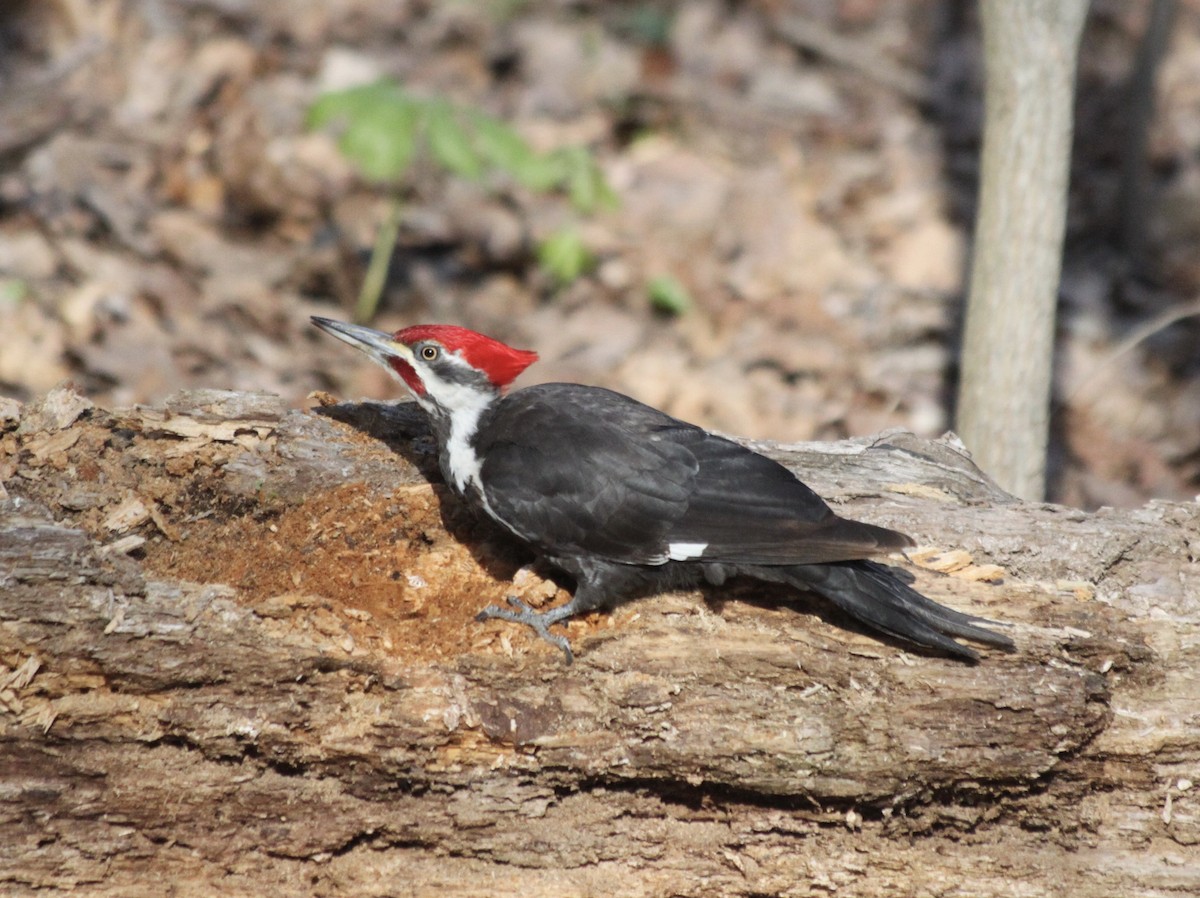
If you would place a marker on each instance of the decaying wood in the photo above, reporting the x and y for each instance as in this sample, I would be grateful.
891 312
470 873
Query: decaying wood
238 658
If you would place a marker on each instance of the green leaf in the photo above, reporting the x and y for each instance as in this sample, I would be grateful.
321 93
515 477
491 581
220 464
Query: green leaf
564 256
668 295
379 127
543 172
382 144
13 291
450 143
501 145
509 152
355 102
382 126
586 186
335 104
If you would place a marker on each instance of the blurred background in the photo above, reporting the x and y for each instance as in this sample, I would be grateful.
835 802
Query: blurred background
779 250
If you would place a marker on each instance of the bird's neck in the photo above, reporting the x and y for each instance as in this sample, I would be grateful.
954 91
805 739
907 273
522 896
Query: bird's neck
455 423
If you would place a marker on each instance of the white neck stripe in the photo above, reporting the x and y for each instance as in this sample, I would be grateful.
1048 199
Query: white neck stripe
463 404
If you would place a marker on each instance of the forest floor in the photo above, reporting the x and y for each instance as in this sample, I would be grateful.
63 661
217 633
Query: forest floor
805 170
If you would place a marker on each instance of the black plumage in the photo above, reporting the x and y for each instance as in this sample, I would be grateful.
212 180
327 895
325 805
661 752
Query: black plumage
603 486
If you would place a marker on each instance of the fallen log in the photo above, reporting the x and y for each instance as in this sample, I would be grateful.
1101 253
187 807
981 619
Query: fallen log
237 656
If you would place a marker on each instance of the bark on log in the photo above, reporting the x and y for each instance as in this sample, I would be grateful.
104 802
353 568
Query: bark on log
238 658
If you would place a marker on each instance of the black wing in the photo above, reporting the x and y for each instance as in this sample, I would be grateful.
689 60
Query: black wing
749 509
577 469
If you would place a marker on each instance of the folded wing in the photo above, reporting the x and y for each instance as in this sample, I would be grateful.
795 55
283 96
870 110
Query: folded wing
582 470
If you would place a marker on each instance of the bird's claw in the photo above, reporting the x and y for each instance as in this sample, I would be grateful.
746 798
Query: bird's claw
535 620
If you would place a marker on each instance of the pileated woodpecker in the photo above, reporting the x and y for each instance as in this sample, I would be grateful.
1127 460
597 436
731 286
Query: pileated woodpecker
630 501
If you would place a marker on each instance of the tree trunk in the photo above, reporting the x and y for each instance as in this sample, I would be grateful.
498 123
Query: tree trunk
238 659
1133 204
1030 48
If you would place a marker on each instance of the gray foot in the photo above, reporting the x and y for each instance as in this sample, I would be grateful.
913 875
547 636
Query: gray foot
538 621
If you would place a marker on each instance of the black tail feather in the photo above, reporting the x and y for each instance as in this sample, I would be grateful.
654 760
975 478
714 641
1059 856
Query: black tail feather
870 593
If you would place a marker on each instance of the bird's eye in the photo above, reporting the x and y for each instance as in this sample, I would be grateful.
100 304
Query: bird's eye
429 353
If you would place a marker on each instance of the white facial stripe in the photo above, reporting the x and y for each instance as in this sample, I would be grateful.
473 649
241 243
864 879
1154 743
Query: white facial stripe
685 551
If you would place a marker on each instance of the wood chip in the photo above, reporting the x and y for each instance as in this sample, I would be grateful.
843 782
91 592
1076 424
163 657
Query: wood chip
127 514
10 410
283 605
124 545
60 409
920 491
165 527
23 675
1080 589
47 445
944 562
982 573
322 398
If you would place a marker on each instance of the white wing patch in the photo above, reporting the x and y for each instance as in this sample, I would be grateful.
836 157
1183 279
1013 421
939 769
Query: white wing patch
685 551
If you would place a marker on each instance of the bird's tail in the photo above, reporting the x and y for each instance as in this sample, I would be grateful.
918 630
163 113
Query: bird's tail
870 593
